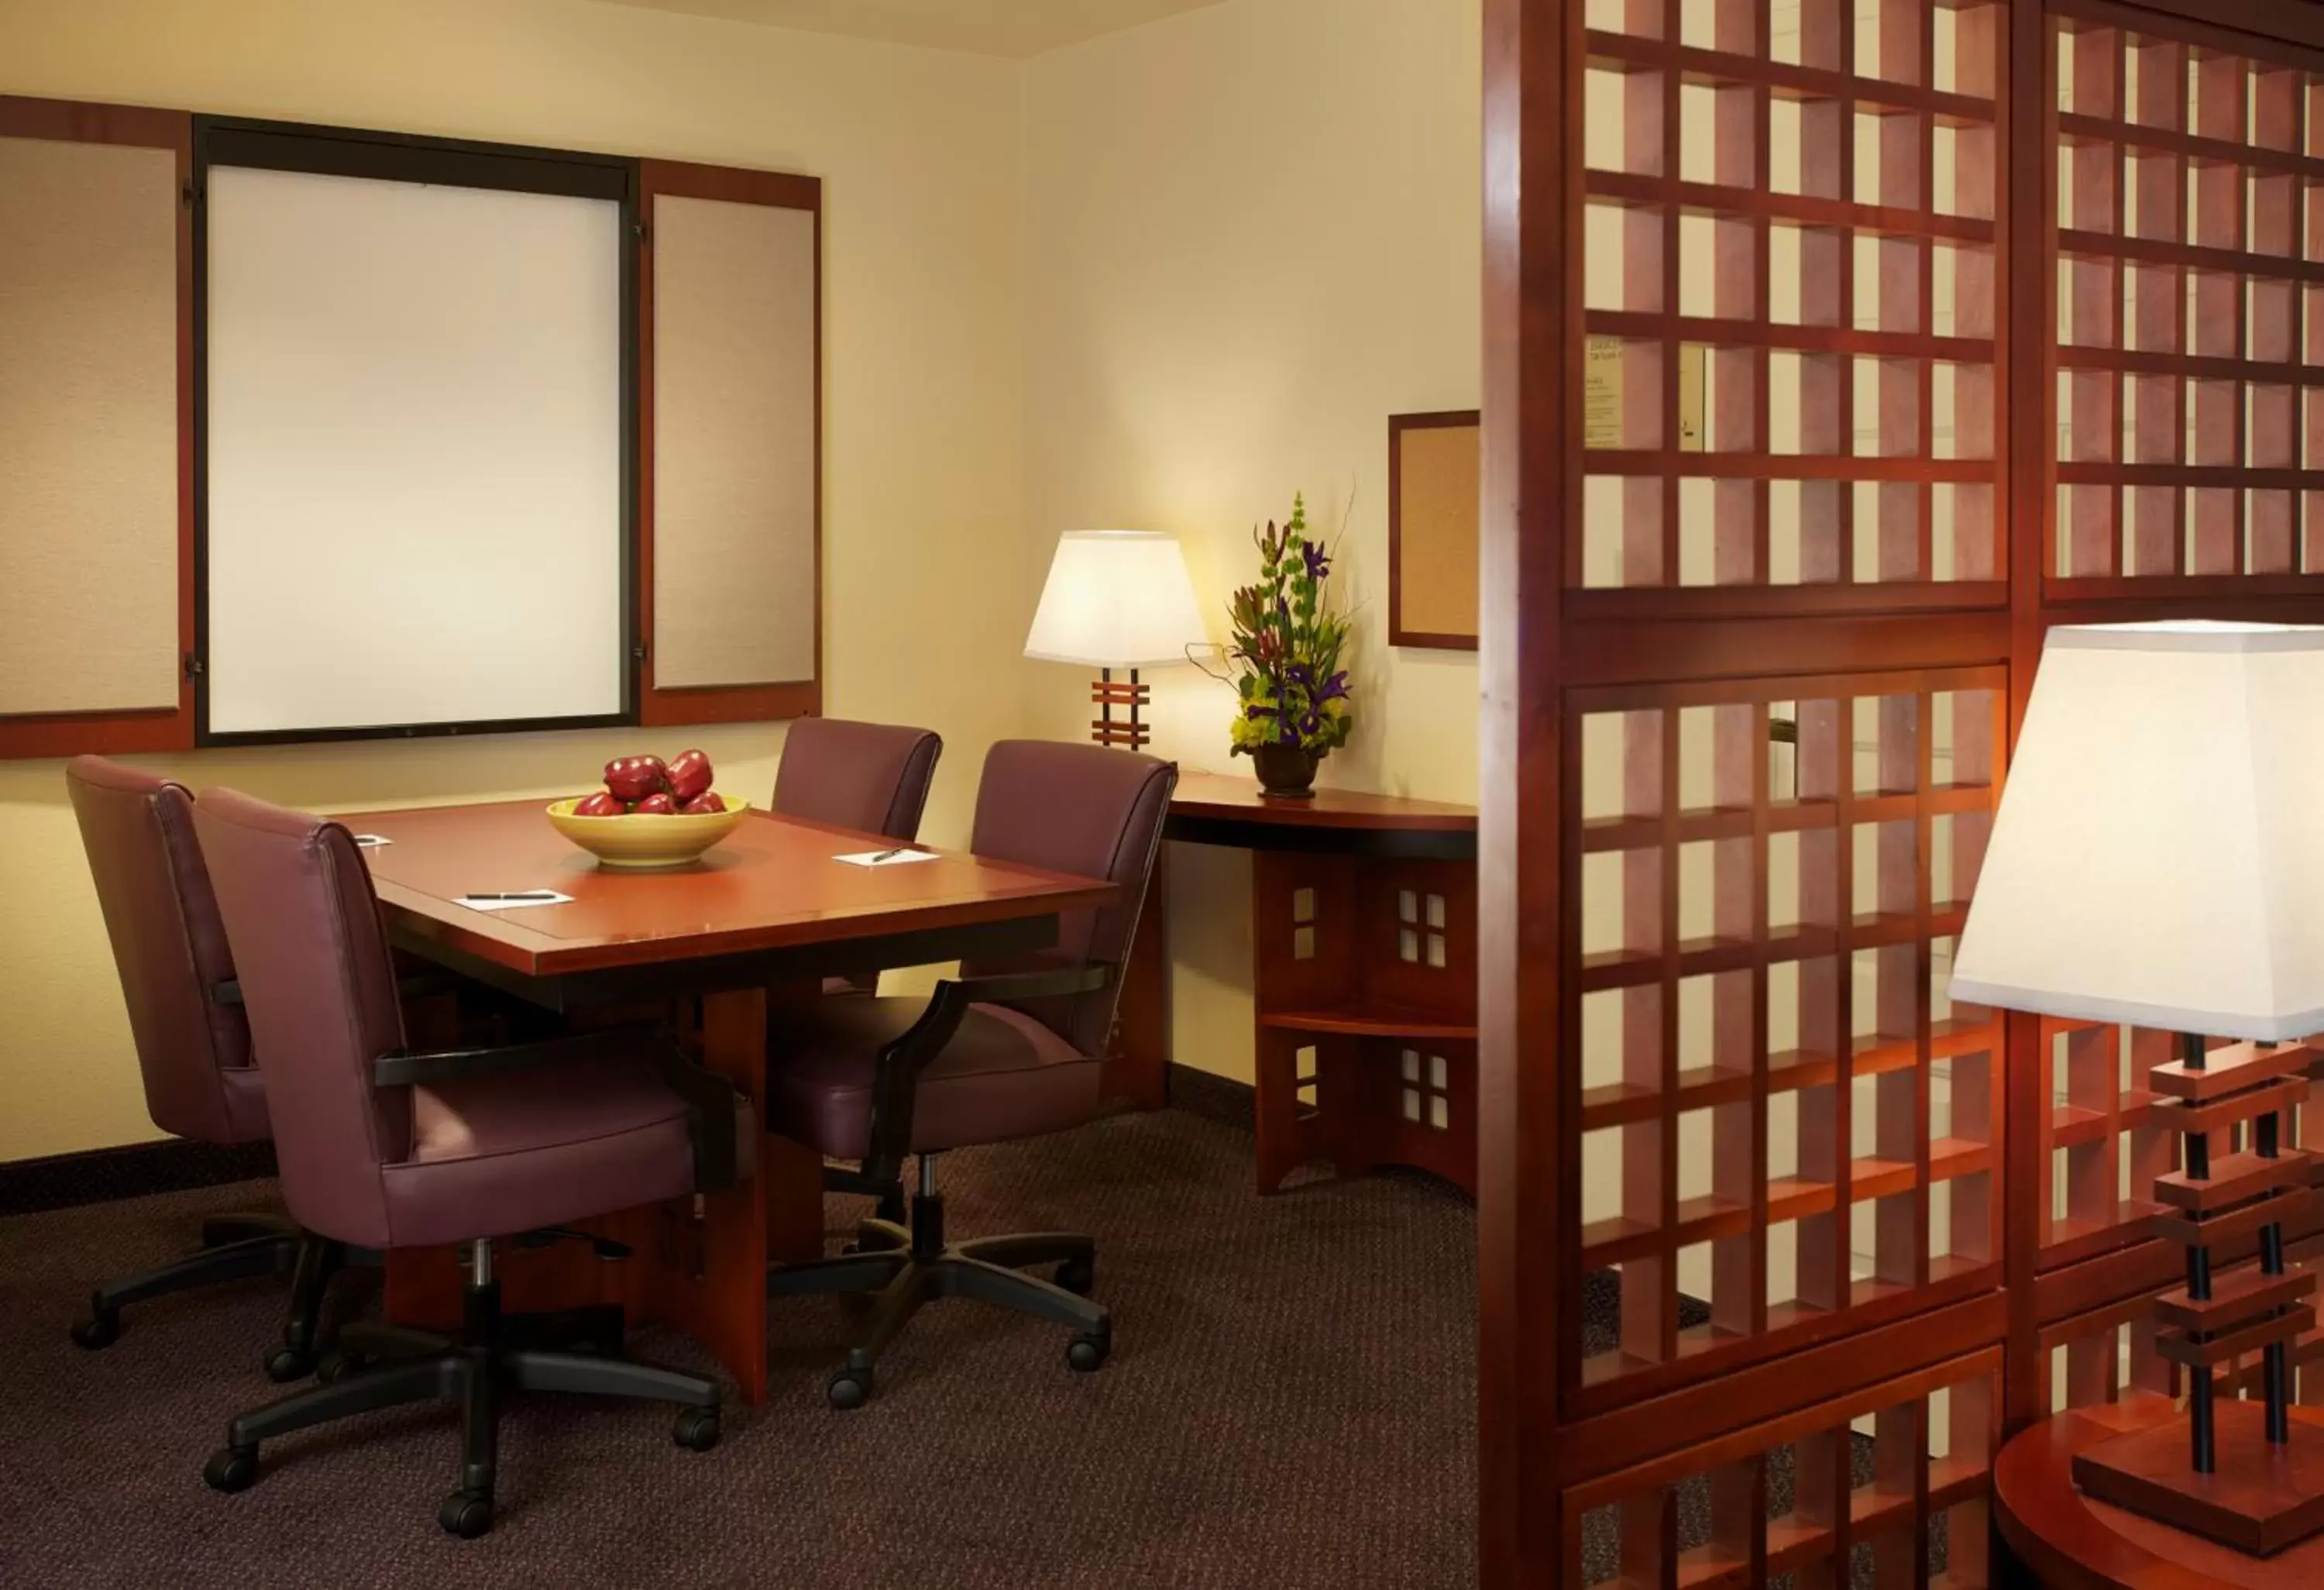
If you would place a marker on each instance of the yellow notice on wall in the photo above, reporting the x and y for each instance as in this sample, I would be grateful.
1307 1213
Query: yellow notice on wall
1602 367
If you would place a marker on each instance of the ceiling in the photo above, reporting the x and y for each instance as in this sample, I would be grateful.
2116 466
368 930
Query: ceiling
986 27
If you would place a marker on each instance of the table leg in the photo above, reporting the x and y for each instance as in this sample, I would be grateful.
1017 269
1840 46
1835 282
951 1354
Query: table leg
722 1303
792 1177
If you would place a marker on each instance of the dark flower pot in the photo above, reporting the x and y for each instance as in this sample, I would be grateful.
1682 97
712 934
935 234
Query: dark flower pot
1285 771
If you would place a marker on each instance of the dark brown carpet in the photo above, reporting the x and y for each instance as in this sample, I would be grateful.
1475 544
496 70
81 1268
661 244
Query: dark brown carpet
1290 1403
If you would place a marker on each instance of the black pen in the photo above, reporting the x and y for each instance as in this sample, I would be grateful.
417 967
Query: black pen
890 855
520 894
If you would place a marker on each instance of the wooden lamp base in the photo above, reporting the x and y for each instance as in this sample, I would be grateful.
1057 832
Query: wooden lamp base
2261 1498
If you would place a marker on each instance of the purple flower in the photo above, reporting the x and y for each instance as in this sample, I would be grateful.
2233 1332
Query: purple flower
1335 689
1319 561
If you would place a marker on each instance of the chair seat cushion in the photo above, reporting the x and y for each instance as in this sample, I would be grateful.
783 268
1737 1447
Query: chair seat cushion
1003 1075
492 1156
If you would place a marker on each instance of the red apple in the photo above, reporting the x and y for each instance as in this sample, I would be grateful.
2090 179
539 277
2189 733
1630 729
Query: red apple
707 801
601 804
657 804
633 778
690 775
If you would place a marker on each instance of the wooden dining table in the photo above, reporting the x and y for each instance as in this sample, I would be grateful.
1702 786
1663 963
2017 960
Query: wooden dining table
763 917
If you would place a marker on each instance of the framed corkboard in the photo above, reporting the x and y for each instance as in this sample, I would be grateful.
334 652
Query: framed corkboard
1431 530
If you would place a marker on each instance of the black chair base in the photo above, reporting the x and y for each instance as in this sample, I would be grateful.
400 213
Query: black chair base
907 1269
475 1373
235 1247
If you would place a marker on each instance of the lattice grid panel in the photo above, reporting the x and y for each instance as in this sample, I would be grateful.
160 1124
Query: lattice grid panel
2191 255
1790 231
1866 1492
2108 1357
1782 1115
2098 1140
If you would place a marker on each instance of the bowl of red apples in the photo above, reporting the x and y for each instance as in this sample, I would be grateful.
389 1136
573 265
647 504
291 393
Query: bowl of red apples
650 813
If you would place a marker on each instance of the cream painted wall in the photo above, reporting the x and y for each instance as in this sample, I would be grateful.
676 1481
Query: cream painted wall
920 153
1253 235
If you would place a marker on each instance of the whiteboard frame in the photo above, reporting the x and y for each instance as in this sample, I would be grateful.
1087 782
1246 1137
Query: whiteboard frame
395 157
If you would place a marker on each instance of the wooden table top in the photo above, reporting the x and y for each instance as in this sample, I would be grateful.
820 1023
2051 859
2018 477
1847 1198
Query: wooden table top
1225 797
2071 1539
772 884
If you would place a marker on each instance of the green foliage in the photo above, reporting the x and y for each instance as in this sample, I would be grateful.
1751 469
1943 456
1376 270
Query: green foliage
1287 646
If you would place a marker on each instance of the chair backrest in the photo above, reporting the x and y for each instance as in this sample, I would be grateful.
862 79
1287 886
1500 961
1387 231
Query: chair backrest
1085 809
871 776
321 989
167 946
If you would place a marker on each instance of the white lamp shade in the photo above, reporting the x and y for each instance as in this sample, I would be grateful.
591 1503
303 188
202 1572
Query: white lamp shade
2158 858
1116 598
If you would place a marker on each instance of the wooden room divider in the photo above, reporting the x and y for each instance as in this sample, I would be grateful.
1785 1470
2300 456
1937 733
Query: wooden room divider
2012 314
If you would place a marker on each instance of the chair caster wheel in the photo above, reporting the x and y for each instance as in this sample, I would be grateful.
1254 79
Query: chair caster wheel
231 1469
850 1388
1078 1276
465 1515
102 1328
337 1366
285 1365
1088 1352
697 1429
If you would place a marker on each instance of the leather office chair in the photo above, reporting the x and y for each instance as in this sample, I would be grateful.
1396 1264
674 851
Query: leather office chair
1010 1049
873 778
870 777
192 1041
391 1150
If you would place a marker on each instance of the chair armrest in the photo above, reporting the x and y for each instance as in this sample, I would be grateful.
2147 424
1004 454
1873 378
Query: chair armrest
426 1067
418 985
1009 987
718 1120
896 1078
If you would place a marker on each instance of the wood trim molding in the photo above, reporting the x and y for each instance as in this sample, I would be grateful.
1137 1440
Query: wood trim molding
2281 22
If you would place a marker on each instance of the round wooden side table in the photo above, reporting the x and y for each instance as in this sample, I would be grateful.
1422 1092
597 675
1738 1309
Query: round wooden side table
2071 1540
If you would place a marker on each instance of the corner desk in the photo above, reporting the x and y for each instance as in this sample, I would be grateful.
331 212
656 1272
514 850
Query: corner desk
1364 976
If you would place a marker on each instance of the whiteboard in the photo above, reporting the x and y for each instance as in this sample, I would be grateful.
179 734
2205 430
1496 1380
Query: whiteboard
414 452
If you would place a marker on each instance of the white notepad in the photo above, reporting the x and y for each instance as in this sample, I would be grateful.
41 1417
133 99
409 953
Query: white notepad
882 858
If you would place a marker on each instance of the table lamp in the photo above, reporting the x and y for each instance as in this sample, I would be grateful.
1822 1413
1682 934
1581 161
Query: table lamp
1116 598
2157 861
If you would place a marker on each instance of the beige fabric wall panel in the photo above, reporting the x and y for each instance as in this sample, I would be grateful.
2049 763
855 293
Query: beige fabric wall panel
89 426
735 443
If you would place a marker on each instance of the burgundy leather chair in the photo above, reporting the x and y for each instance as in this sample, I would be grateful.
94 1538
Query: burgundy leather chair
1010 1049
387 1148
192 1041
870 777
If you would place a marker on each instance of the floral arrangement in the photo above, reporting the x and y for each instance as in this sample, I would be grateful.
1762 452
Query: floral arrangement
1287 641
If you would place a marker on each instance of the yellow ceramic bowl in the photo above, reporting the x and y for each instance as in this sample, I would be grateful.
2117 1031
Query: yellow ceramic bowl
630 840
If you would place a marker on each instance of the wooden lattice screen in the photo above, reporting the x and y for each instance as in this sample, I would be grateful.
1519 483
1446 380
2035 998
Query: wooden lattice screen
2007 314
